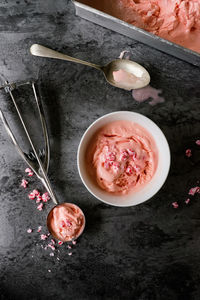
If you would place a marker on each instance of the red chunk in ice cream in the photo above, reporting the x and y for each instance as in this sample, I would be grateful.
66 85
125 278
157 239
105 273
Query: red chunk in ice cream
122 156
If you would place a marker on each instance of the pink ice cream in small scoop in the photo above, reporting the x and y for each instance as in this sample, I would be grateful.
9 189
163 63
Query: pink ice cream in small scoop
66 221
122 157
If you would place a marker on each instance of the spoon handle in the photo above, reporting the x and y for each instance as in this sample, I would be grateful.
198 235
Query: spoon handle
39 50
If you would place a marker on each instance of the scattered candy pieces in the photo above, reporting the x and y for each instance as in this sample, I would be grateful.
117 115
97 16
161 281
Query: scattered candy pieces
29 171
24 183
36 192
31 196
39 228
188 153
187 201
129 170
115 167
45 197
175 204
124 155
194 190
43 236
51 246
198 142
111 156
40 206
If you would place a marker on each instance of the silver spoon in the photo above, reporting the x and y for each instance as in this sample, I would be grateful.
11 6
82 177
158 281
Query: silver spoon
131 75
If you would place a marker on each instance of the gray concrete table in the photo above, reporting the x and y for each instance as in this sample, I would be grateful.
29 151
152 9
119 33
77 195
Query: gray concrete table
147 252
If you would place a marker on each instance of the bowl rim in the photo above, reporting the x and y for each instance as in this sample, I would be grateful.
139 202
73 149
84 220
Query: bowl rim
134 114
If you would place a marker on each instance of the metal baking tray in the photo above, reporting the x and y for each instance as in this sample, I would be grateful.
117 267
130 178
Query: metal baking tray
115 24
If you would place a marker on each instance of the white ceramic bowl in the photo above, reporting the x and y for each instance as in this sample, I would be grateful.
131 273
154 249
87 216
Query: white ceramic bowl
149 189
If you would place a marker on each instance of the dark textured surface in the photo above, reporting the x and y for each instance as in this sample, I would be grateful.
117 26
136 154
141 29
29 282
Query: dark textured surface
148 252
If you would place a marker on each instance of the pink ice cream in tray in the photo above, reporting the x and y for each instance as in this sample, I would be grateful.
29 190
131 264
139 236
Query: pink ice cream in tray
172 26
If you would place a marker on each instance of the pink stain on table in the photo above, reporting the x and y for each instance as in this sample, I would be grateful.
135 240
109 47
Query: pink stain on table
148 92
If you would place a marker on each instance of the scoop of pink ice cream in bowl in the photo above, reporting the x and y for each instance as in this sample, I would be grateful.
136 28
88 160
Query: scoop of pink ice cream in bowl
123 158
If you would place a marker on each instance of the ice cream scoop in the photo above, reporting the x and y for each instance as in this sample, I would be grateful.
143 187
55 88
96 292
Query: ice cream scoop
121 73
66 222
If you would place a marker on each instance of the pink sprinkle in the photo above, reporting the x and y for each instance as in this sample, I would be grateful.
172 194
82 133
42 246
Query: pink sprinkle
40 206
69 247
24 183
36 192
74 242
115 167
68 223
175 204
70 253
39 198
39 228
29 171
51 246
62 223
29 230
60 243
31 196
53 242
194 190
111 156
124 156
49 271
130 151
45 197
198 142
43 236
129 170
51 254
187 201
107 164
137 169
188 153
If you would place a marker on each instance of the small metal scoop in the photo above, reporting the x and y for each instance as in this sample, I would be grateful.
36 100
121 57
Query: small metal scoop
140 76
34 160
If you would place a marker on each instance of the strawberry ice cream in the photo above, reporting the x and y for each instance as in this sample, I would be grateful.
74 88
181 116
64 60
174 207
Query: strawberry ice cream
122 157
66 222
175 20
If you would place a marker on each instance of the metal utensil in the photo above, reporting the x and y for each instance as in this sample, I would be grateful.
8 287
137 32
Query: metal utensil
33 159
115 65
